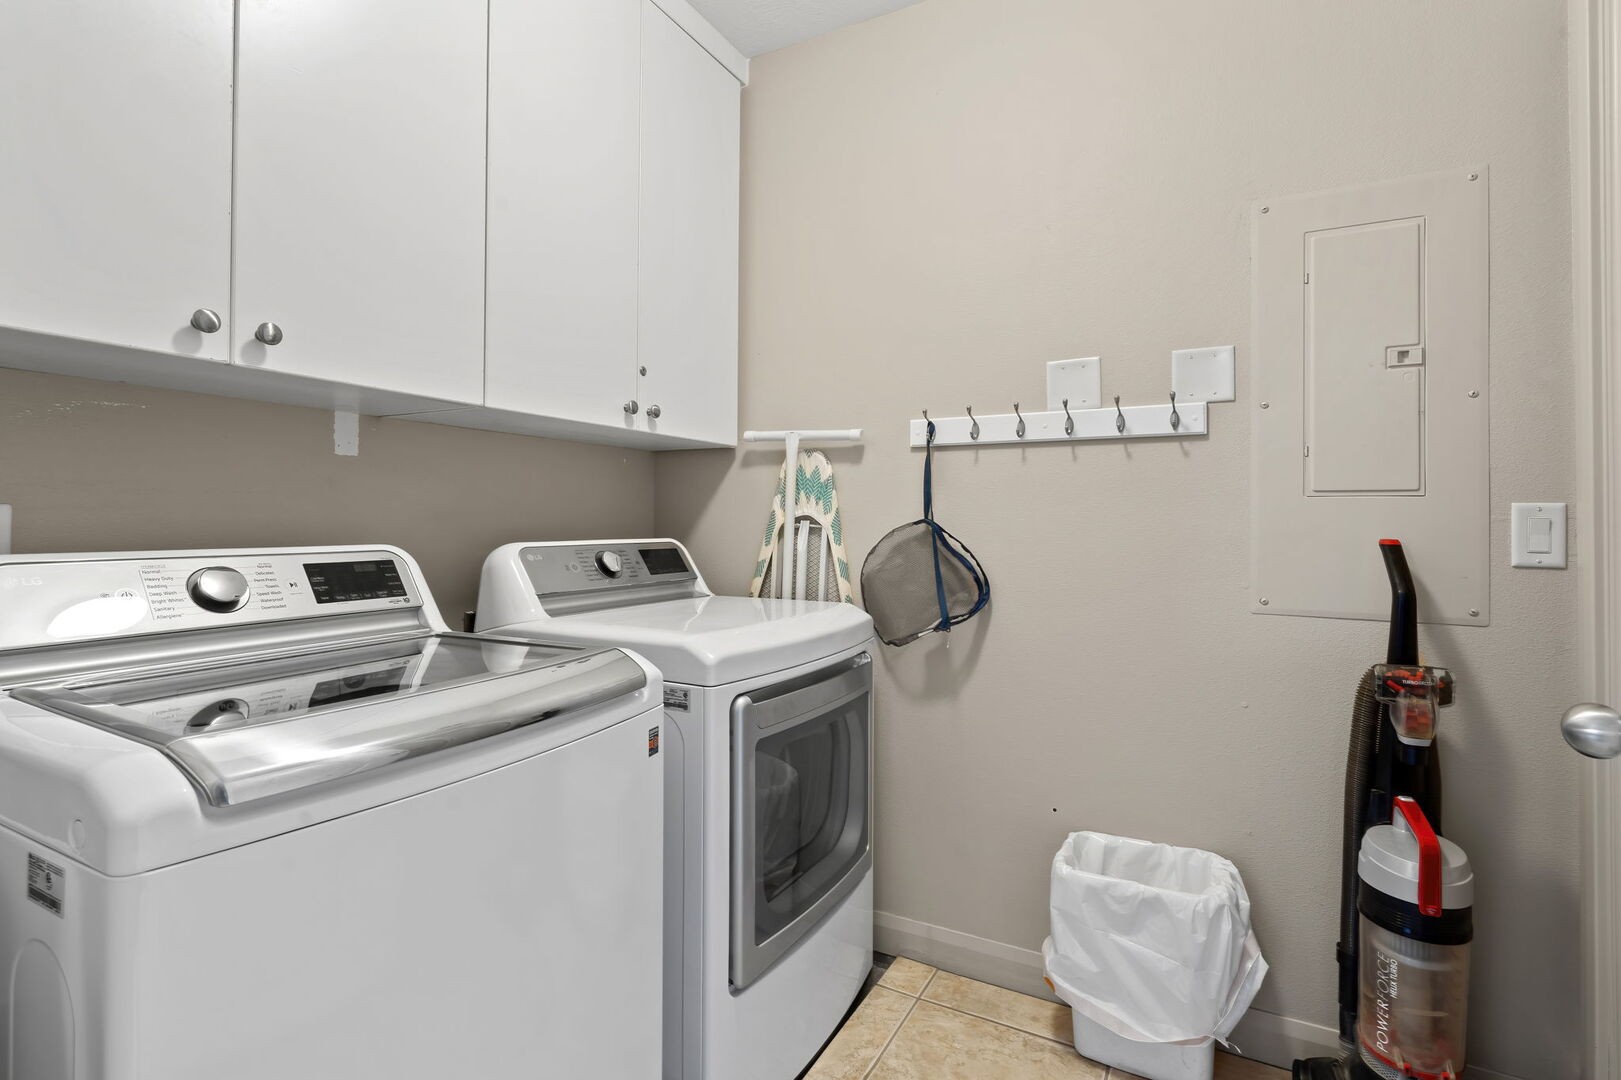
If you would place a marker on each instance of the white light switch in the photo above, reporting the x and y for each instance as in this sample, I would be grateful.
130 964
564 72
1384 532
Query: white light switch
1538 535
1541 539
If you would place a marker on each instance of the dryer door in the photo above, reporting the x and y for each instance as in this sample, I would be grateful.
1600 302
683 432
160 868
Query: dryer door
801 808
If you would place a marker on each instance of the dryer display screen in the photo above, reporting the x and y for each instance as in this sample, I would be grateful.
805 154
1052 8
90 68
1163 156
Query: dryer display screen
376 579
662 560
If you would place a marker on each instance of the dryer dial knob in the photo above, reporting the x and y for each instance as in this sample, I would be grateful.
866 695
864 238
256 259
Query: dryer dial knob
218 588
610 563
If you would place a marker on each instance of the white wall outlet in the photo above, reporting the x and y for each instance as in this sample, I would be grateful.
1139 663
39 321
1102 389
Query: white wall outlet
1203 374
5 529
1081 381
1538 536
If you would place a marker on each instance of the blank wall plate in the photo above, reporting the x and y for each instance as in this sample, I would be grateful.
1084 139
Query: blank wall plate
1203 374
1081 381
346 433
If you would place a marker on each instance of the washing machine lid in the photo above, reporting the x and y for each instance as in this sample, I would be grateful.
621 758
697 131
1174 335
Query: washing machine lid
255 727
715 640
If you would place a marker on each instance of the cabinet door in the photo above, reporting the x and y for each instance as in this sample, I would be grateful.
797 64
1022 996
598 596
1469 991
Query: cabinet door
360 192
115 171
561 317
688 259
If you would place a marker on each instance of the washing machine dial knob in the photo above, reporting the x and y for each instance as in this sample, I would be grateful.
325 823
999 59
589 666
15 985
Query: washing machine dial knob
218 588
610 563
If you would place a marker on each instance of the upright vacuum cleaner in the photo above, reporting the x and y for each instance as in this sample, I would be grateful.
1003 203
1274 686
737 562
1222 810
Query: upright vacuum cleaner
1405 894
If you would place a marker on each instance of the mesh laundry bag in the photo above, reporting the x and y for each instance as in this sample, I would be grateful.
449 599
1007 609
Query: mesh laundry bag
920 579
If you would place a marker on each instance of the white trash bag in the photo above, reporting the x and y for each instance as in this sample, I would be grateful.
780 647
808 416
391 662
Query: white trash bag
1151 942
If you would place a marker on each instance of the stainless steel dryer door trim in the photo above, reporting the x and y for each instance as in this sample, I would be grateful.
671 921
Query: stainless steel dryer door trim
753 721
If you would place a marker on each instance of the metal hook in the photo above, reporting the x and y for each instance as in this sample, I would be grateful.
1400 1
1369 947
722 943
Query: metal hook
1176 417
928 428
1018 431
1069 421
973 432
1119 417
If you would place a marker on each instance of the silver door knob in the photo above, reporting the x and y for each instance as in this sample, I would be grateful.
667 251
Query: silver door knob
205 320
654 412
269 333
631 407
1594 730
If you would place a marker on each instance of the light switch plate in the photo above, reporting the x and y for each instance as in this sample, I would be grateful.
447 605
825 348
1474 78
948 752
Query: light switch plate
1203 374
1535 526
5 529
1081 381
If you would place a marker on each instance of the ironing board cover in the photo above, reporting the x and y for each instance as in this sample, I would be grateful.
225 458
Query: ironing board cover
816 503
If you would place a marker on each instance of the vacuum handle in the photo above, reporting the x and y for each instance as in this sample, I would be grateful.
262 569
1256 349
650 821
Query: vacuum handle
1403 646
1429 855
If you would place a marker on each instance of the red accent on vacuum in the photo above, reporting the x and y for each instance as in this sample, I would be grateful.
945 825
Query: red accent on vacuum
1429 856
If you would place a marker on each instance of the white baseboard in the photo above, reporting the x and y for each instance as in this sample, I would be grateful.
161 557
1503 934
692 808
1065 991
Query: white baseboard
1263 1036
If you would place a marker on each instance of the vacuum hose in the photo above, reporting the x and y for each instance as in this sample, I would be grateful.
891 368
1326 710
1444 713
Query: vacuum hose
1366 713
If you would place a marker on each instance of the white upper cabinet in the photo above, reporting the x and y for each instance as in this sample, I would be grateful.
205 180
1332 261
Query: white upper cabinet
115 172
688 237
613 204
564 159
360 192
510 214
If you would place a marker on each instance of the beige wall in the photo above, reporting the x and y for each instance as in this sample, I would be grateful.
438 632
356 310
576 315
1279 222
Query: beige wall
93 466
937 202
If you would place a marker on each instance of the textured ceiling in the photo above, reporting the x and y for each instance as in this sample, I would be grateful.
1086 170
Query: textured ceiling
758 26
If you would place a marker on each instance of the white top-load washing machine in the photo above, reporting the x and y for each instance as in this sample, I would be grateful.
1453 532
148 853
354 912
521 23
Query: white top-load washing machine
768 707
262 817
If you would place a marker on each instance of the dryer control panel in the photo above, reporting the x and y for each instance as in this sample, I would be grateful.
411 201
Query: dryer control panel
62 600
560 569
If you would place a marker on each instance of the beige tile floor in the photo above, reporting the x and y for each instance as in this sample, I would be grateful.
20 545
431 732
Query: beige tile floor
922 1024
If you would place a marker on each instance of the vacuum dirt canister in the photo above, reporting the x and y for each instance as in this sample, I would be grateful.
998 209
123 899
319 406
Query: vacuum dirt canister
1415 899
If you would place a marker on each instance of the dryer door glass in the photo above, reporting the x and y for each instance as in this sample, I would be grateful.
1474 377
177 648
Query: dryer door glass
800 811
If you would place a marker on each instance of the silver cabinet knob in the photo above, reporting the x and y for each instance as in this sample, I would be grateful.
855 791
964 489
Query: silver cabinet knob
269 333
1594 730
631 407
654 412
205 320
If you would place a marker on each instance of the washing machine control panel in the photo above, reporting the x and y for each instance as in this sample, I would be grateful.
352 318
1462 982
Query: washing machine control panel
43 603
557 570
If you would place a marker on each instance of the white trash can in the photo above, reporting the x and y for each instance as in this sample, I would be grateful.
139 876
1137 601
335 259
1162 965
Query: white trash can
1152 949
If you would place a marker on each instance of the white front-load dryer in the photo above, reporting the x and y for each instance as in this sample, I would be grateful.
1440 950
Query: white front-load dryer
768 793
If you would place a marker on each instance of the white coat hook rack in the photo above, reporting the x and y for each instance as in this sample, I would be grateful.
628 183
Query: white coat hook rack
1173 420
793 440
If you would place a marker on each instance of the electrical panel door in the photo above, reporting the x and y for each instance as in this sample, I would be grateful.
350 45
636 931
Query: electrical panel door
1370 398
